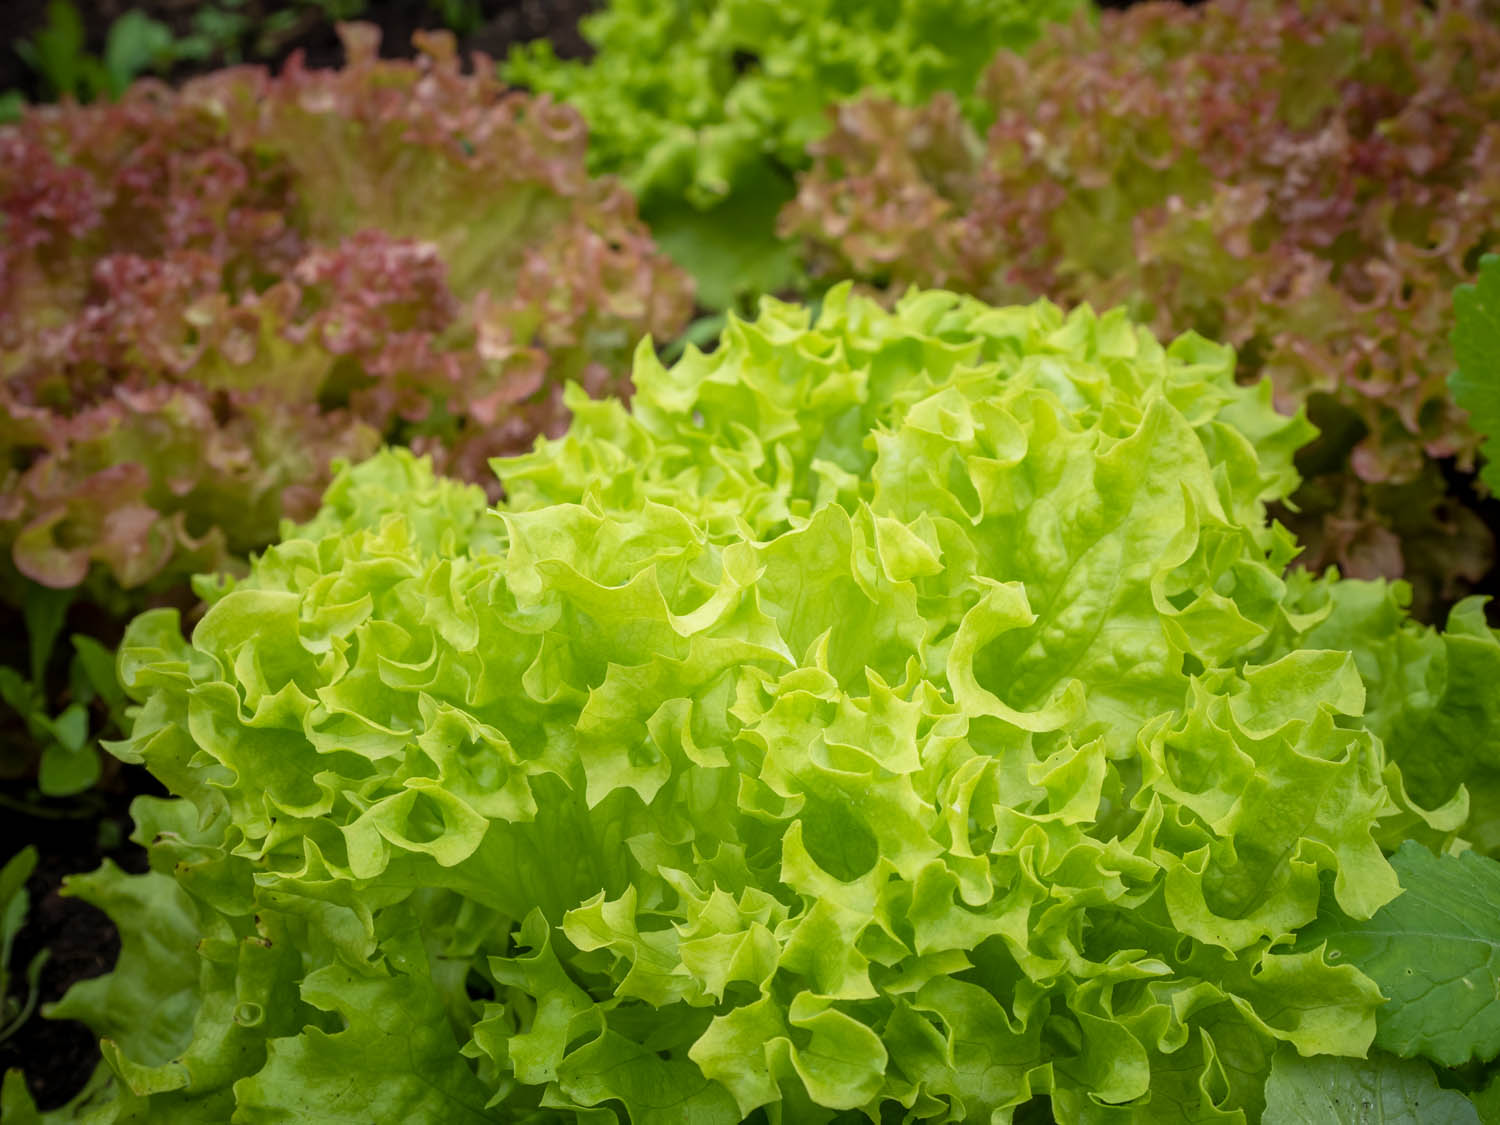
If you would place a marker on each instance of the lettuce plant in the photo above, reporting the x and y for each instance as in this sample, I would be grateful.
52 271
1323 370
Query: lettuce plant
706 107
901 715
1306 181
206 295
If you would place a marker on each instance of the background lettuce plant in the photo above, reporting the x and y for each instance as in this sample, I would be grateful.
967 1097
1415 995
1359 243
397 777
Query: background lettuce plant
1306 181
706 107
208 294
903 713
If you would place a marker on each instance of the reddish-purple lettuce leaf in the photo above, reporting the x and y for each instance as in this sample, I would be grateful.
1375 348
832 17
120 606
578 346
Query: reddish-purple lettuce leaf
207 294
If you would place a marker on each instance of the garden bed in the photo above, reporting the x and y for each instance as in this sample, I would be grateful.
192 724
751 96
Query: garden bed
906 710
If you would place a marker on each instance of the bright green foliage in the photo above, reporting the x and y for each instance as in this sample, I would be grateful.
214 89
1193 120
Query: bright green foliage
1430 696
66 760
709 105
1376 1091
1476 347
901 714
1435 952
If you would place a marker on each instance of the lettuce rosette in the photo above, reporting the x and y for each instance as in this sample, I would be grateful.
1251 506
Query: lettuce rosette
889 716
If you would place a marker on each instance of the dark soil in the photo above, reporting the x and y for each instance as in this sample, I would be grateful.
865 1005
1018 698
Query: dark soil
58 1057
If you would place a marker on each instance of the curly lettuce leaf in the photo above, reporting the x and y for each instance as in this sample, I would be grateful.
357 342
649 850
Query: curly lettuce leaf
705 109
148 1003
892 711
394 1059
211 293
1431 697
684 98
1273 175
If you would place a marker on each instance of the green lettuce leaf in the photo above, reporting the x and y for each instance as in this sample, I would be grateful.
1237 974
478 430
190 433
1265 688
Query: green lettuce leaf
1430 696
1487 1101
891 712
394 1060
15 903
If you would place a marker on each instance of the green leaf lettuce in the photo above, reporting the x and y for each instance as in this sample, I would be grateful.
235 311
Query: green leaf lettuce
900 713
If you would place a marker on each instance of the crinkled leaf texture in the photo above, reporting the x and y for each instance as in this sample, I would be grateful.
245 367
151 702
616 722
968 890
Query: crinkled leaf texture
1431 695
706 108
207 294
893 714
1306 181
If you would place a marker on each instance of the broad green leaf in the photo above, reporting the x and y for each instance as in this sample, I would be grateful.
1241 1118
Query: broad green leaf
63 772
731 247
71 728
17 1106
70 764
1380 1090
147 1004
1435 953
1487 1102
654 1090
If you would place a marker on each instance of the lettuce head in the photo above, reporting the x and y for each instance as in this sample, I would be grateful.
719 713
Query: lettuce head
889 716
